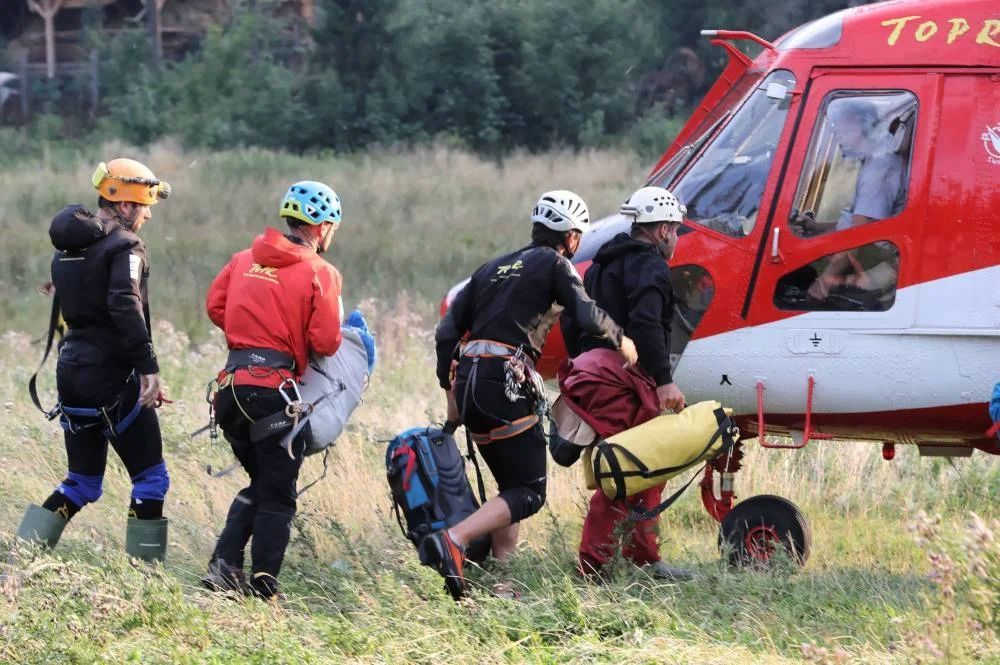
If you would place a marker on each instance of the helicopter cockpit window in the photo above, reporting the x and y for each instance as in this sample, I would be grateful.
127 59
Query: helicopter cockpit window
857 167
693 291
706 128
862 279
723 188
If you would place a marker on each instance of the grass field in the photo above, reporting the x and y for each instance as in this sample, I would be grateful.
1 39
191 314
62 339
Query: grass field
413 222
902 570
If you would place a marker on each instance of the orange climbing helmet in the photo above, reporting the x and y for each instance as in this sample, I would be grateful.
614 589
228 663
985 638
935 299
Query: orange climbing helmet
128 180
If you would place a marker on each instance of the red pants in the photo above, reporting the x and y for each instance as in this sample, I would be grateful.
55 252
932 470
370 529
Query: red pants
598 542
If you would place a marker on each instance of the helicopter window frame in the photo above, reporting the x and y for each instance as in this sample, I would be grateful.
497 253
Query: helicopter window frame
826 163
694 290
760 114
862 279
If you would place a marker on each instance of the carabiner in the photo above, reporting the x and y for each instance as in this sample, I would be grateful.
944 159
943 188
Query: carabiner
295 389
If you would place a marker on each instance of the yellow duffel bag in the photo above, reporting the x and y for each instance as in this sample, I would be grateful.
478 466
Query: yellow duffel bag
652 453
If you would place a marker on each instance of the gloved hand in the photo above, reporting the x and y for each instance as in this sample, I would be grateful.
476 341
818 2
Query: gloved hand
563 452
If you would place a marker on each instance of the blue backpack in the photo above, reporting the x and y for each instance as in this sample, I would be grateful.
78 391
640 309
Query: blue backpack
430 489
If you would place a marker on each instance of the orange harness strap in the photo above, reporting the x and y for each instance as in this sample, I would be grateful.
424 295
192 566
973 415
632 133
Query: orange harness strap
506 431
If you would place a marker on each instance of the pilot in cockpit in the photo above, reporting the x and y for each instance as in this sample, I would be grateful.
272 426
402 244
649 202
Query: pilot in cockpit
856 128
878 194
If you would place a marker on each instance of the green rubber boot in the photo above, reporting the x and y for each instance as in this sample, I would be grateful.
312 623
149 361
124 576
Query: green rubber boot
40 525
146 539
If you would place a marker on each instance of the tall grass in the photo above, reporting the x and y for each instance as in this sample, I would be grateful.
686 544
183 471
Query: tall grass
415 221
871 593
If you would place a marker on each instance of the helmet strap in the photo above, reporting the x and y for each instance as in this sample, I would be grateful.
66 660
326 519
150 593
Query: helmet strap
648 235
305 235
661 247
321 246
121 219
565 246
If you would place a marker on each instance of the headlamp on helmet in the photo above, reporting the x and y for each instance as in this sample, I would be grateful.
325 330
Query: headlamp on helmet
126 180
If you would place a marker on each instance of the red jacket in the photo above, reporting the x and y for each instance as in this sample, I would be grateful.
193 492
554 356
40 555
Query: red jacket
277 295
607 396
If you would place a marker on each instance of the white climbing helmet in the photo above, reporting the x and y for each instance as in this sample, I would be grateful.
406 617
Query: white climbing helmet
561 210
650 205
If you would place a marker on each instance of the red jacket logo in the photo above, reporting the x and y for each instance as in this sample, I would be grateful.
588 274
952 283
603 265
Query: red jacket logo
268 273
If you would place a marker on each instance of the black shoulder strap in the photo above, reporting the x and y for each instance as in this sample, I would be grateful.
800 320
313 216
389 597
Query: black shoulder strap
450 428
654 512
53 327
604 450
326 454
475 462
729 438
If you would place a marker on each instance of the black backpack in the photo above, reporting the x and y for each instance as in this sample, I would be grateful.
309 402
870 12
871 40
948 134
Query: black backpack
430 488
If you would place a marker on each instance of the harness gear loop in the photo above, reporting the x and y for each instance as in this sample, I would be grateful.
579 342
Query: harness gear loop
211 391
519 374
287 381
50 336
294 409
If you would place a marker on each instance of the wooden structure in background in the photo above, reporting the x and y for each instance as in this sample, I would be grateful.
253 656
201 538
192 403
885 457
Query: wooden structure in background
66 54
153 9
48 9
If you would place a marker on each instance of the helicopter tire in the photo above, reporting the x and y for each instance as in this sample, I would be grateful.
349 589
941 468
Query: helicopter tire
754 530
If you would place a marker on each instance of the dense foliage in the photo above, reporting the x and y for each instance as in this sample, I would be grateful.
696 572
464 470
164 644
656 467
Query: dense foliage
487 74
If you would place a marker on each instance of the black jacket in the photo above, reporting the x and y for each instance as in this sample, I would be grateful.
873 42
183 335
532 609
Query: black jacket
516 299
630 281
100 274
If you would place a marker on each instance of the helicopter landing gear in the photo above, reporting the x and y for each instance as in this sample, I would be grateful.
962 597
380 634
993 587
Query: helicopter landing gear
757 529
718 506
753 531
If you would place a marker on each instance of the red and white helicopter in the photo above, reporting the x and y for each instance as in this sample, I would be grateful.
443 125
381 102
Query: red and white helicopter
838 275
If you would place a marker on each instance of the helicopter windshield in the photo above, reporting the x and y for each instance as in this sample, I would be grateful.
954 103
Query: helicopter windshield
723 187
706 128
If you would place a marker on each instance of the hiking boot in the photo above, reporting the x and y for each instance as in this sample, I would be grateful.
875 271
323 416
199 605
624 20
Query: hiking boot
506 591
663 571
223 577
441 552
265 587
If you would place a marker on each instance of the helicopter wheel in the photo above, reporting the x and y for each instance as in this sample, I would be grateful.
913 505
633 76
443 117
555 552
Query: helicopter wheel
754 530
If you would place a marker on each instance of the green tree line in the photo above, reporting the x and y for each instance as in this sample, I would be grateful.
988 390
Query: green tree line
490 75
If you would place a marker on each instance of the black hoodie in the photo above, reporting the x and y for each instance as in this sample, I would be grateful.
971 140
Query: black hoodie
631 282
100 274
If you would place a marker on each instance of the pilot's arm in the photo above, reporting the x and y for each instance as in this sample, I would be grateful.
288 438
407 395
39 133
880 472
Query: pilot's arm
879 184
880 181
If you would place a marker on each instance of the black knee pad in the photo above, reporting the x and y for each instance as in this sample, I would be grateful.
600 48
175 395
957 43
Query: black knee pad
525 500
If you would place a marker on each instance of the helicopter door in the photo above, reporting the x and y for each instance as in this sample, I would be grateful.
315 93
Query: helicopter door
841 250
834 280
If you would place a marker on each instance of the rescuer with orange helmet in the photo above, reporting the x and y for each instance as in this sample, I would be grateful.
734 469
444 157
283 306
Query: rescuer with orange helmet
107 374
